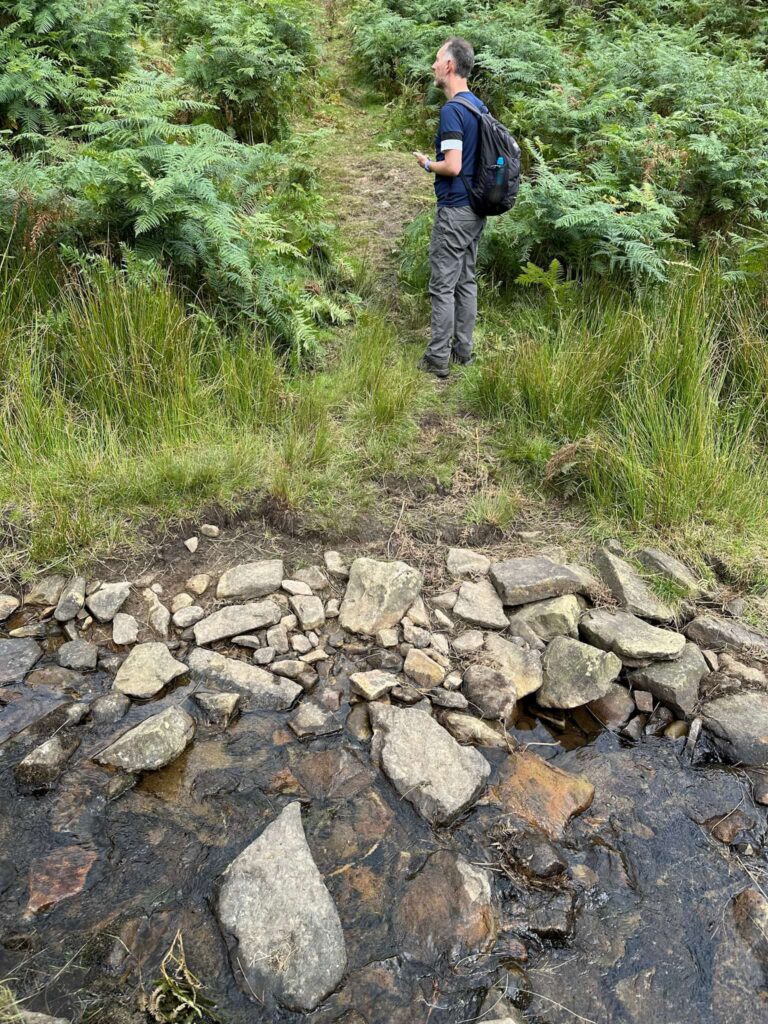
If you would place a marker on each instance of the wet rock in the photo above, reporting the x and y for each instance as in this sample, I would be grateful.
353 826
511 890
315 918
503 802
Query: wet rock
425 763
630 637
58 876
43 765
333 774
471 731
676 730
422 669
336 565
738 726
557 616
106 602
266 692
575 673
309 611
125 629
676 683
614 709
147 669
539 793
721 634
78 655
16 659
378 595
8 605
521 667
628 587
275 906
671 568
357 723
635 728
188 616
535 856
153 743
250 580
372 685
218 708
738 991
46 592
491 693
553 918
469 642
71 600
463 562
198 584
110 708
310 719
387 661
236 618
728 827
658 721
524 580
445 911
54 677
479 604
158 616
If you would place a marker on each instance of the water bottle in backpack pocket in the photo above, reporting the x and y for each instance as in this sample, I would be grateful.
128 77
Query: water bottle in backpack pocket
496 181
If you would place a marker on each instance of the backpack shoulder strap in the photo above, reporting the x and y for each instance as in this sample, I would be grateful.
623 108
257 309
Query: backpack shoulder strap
467 104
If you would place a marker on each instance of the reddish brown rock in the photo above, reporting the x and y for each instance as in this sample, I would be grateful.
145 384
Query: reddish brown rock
540 794
333 774
59 875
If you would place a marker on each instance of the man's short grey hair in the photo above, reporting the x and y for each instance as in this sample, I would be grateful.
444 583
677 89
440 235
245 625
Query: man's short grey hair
463 55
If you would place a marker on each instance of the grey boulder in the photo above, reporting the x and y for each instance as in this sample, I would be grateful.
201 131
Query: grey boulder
266 692
630 637
523 580
275 908
480 605
17 658
522 666
78 654
378 595
153 743
676 683
575 673
71 600
250 580
557 616
628 587
738 725
717 633
147 669
491 693
107 601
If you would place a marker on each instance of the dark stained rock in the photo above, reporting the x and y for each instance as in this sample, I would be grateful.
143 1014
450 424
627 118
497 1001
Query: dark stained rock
58 876
16 659
540 794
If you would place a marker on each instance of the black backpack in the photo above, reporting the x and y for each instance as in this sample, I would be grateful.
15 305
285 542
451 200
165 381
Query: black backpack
494 186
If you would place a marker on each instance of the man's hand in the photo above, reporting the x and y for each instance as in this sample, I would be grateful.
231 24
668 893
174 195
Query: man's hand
421 157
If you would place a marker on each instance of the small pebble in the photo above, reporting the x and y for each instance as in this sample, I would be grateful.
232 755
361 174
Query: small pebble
209 530
181 601
643 700
675 730
191 544
198 584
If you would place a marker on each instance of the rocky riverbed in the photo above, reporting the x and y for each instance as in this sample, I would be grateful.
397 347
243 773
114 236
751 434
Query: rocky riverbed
531 792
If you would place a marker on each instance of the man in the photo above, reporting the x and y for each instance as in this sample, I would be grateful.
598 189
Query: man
457 228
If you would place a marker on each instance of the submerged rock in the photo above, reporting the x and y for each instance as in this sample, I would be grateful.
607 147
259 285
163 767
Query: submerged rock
540 794
738 724
147 669
58 876
425 763
274 904
16 659
250 580
153 743
628 587
378 595
575 673
267 693
524 580
630 637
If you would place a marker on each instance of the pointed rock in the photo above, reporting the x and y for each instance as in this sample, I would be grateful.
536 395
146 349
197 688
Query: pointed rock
523 580
628 587
71 601
676 683
576 673
218 708
276 909
250 580
630 637
372 685
147 669
107 601
479 604
267 693
237 618
425 763
378 595
153 743
471 731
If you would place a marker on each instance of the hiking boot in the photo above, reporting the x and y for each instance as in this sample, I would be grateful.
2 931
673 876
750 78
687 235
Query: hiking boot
429 367
458 361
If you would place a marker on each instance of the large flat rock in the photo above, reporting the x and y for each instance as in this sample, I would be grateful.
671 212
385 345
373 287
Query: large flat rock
250 580
539 793
153 743
524 580
235 619
576 673
630 637
17 658
557 616
738 725
425 763
676 683
717 633
629 588
275 908
147 669
267 693
378 595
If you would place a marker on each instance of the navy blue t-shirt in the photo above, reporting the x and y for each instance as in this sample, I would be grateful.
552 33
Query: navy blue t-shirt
458 130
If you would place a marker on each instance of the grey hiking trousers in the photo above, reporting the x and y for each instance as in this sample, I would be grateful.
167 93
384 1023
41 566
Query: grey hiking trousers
452 288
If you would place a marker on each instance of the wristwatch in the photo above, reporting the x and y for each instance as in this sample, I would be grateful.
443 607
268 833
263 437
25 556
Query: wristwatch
427 164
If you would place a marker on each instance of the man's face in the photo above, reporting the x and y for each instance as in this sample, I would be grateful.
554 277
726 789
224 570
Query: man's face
442 67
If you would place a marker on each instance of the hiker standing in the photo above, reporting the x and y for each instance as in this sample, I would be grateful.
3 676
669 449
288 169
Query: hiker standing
467 136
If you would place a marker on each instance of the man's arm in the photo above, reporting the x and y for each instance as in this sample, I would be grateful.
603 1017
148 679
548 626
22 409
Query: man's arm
448 167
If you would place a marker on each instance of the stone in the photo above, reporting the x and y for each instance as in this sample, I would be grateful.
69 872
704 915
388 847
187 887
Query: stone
309 719
554 917
218 708
425 764
248 640
57 876
16 659
180 601
372 685
192 544
250 580
294 668
443 621
332 608
422 669
738 726
446 600
313 576
628 587
522 667
158 616
264 656
294 587
357 723
198 584
152 744
445 912
78 655
536 856
236 618
480 605
43 765
453 680
418 614
125 629
671 568
721 634
54 677
676 683
630 637
463 562
110 708
107 601
439 645
27 1017
575 673
46 592
276 909
614 709
644 701
676 730
471 731
734 668
539 794
333 774
188 616
301 644
309 611
557 616
443 698
524 580
378 595
336 565
210 530
312 657
388 637
415 635
490 693
277 639
658 721
8 605
147 669
267 693
71 600
34 630
468 643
